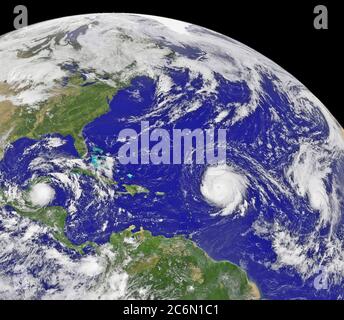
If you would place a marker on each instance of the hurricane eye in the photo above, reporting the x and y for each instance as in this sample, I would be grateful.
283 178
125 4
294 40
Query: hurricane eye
41 194
224 188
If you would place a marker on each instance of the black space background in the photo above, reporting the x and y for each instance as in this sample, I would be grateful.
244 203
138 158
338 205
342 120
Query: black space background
281 30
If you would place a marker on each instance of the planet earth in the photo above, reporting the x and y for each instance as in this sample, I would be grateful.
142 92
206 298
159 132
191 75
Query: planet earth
77 223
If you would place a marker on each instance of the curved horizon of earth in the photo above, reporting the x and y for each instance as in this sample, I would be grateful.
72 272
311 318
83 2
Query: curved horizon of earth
75 223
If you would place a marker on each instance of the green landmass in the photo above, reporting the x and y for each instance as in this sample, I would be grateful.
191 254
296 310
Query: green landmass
131 189
84 172
67 112
176 268
134 189
52 217
90 173
55 218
